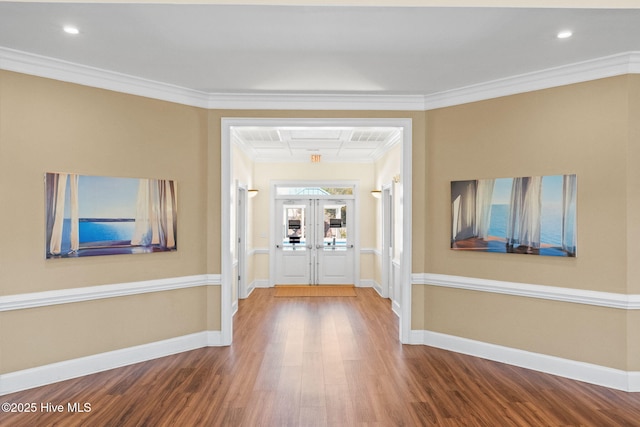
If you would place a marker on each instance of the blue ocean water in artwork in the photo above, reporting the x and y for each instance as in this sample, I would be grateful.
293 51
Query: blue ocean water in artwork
98 231
498 222
550 227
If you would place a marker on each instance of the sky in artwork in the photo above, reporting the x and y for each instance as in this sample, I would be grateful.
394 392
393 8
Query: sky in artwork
551 190
105 197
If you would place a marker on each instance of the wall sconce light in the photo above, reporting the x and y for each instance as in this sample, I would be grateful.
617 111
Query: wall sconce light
376 193
396 178
315 158
252 193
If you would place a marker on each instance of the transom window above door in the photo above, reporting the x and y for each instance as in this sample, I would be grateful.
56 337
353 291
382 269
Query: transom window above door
314 191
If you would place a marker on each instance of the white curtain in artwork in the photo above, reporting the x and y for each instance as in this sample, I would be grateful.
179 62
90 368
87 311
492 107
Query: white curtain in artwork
569 190
158 224
484 194
155 214
455 212
523 226
51 187
464 210
142 234
170 209
75 220
57 203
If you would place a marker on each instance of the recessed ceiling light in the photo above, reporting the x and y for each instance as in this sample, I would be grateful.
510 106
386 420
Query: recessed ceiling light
69 29
564 34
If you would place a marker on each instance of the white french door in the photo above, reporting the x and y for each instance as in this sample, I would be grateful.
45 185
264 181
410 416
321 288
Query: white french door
315 242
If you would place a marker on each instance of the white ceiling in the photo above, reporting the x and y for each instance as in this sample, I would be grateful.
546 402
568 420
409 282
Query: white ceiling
317 50
321 49
333 144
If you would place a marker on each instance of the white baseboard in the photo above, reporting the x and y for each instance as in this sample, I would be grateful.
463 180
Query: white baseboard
395 307
371 283
252 287
234 307
634 381
581 371
366 283
261 283
48 374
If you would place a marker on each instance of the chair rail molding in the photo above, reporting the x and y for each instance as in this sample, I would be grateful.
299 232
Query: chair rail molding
577 296
65 296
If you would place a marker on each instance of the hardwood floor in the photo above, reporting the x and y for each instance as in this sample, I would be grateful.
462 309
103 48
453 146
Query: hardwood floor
324 361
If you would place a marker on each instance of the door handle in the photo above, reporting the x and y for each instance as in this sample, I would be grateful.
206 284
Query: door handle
278 246
309 246
319 246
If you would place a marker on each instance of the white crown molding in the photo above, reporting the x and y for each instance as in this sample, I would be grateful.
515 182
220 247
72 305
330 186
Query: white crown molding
48 374
594 374
42 66
598 68
65 296
301 101
577 296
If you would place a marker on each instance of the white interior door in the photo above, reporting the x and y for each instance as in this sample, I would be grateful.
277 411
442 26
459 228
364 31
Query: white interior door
241 290
314 242
294 245
334 243
387 241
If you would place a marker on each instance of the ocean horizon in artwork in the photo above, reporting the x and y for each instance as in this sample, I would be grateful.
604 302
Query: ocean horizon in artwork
96 230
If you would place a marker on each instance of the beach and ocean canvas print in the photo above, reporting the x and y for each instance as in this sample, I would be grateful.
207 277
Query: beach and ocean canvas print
97 215
533 215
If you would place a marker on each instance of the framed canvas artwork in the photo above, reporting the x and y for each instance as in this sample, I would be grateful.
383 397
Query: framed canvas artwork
97 215
533 215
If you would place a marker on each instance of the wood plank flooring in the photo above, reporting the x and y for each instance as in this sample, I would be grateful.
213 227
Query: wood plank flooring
324 361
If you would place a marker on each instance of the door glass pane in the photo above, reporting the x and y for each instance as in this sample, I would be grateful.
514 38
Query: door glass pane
335 227
294 227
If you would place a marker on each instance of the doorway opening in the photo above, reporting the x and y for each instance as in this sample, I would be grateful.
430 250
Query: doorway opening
316 240
317 258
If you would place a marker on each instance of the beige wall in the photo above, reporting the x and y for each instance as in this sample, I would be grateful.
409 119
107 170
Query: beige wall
589 129
633 187
633 222
51 126
44 335
583 129
47 125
